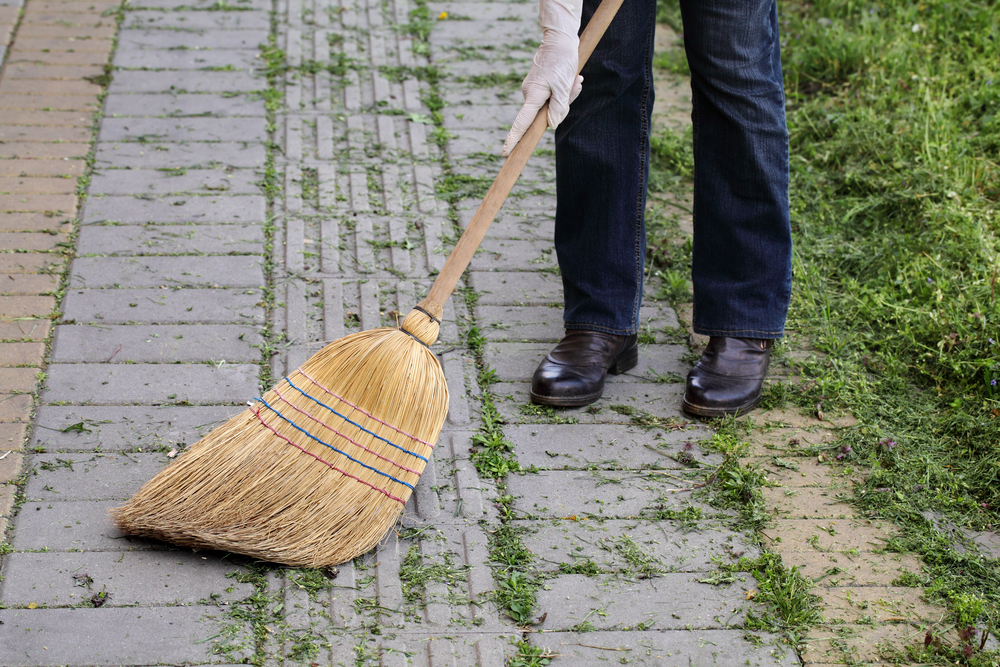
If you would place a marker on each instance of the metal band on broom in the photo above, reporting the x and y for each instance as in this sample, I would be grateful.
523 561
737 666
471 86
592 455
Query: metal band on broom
317 470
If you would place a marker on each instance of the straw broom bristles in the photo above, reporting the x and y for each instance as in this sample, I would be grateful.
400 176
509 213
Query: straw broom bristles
248 486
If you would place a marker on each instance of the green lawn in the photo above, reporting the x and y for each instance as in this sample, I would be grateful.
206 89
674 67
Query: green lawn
895 144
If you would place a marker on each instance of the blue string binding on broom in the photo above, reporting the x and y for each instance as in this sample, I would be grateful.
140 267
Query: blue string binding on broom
326 444
402 449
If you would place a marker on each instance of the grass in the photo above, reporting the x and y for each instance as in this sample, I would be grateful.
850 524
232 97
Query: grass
894 136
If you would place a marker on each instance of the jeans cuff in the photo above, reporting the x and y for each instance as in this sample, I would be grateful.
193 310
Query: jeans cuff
740 333
596 327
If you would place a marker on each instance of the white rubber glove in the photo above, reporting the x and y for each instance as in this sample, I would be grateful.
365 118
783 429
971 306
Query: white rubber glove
553 74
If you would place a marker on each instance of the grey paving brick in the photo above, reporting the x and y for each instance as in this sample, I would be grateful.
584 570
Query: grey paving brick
190 59
111 384
467 94
163 306
159 182
110 636
424 649
151 343
530 217
63 428
197 20
517 288
170 130
114 239
449 491
204 104
192 39
622 403
482 31
91 476
129 578
516 362
513 255
490 142
609 446
633 548
487 11
668 602
73 526
599 494
125 81
480 117
201 271
679 648
545 323
178 156
193 208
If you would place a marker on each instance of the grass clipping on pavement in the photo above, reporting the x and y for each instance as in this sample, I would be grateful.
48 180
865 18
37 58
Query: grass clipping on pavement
894 120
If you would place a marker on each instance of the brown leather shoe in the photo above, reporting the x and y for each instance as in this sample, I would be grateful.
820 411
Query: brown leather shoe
728 378
573 373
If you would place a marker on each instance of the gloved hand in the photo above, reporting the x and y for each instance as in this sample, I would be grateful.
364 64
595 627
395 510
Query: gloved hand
553 74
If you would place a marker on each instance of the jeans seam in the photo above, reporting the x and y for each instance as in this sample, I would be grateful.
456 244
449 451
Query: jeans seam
596 327
639 204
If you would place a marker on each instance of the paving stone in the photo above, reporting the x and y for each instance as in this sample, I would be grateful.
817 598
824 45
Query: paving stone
200 209
182 105
12 436
7 499
243 5
16 407
60 428
21 354
516 362
26 185
599 494
808 502
27 283
879 604
483 117
845 569
622 403
183 82
449 491
197 20
666 649
152 343
28 263
423 649
632 548
114 384
517 288
827 535
18 379
163 306
208 39
63 203
579 446
168 130
170 239
178 156
669 602
12 307
74 168
10 466
33 222
42 151
108 636
129 578
90 476
73 526
203 271
190 59
513 255
542 323
159 182
24 330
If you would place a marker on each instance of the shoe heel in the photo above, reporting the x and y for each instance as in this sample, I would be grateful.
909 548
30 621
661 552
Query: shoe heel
626 361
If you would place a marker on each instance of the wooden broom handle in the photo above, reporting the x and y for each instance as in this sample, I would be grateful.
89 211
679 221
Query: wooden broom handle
466 247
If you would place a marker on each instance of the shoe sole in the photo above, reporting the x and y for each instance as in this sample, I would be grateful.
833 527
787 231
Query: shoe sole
627 360
701 411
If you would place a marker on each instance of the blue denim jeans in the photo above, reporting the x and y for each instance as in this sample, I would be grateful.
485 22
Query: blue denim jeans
742 263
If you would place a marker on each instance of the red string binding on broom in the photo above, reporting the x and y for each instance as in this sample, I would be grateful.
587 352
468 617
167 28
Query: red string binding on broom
326 463
363 411
348 439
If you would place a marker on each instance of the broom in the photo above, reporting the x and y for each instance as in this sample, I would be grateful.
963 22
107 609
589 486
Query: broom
318 470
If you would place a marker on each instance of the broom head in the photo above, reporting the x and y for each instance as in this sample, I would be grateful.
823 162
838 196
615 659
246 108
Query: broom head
316 471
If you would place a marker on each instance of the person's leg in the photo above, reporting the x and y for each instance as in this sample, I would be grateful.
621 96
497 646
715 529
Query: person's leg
602 168
742 262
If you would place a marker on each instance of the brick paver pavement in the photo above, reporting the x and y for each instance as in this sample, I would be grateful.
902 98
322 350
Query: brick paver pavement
235 222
